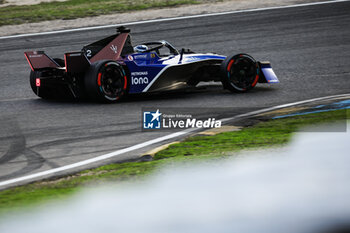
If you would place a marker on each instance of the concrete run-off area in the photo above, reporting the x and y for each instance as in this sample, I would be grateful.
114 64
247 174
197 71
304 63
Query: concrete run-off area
118 18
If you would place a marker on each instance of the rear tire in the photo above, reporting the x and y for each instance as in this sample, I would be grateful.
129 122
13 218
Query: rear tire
46 92
42 92
240 73
106 81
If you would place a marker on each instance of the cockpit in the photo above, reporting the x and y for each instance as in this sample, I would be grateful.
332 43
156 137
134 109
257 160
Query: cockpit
162 48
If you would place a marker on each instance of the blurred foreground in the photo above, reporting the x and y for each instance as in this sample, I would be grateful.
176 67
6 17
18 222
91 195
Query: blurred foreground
302 188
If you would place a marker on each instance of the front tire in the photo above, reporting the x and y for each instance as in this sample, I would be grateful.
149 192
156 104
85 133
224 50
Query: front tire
240 73
106 81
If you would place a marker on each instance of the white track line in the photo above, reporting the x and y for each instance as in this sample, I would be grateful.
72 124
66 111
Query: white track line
285 106
173 18
96 159
154 141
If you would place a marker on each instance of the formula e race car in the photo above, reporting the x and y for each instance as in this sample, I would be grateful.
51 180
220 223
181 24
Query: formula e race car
111 68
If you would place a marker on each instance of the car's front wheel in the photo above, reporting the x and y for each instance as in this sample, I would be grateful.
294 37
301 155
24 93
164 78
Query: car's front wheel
240 73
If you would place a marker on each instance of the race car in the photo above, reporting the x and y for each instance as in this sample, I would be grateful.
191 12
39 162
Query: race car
111 68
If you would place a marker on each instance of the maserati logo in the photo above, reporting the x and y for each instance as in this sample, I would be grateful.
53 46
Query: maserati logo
114 48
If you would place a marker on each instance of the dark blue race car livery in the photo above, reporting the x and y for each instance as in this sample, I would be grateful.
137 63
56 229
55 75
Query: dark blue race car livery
111 68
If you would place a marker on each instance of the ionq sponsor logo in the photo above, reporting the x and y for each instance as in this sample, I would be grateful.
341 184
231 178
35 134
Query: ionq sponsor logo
138 78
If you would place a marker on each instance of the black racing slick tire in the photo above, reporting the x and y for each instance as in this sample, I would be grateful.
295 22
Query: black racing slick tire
45 92
106 81
42 92
240 73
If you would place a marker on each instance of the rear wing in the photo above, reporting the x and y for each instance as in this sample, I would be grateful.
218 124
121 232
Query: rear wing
39 60
110 48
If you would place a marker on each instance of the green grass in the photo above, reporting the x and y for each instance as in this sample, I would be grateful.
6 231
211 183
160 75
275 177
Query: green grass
200 148
80 8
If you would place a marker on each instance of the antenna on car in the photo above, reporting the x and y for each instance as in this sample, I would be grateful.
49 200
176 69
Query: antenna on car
123 29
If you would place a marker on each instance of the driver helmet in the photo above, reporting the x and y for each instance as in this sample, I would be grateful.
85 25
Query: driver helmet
140 48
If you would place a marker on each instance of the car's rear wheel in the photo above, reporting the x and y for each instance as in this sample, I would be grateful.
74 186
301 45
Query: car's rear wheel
42 92
240 73
106 81
46 92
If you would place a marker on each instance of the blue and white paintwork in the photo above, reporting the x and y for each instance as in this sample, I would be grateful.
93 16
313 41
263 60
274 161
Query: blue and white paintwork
146 68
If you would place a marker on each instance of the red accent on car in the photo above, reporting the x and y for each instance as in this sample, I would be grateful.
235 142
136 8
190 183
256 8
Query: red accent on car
99 79
230 64
38 60
76 62
125 82
255 81
111 51
37 82
25 54
65 61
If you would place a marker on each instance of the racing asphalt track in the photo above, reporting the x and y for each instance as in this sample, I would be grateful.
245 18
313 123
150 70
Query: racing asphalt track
307 46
